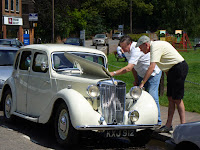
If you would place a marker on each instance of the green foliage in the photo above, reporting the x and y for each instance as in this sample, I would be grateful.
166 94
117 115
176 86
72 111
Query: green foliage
142 7
135 37
98 16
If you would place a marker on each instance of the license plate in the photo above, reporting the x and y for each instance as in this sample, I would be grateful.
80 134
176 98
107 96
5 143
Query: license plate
119 133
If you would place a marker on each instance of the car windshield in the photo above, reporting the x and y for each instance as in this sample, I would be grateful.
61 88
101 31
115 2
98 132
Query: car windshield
72 40
60 62
117 33
7 57
100 36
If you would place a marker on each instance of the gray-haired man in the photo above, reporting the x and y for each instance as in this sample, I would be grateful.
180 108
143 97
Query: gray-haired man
173 64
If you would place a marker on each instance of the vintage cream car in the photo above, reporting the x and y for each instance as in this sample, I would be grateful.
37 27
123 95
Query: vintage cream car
71 87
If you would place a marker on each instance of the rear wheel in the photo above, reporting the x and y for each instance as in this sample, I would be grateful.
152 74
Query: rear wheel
64 131
7 105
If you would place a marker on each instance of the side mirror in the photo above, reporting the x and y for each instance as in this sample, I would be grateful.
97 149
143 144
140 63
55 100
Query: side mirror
44 66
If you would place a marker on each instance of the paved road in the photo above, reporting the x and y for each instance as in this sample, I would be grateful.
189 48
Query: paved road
26 135
112 45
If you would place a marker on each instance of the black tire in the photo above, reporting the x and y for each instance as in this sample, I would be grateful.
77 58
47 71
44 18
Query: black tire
65 133
7 106
186 146
141 138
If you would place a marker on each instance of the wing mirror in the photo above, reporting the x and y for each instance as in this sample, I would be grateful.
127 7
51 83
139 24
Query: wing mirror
44 66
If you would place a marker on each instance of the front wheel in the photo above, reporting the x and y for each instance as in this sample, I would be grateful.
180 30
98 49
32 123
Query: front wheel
64 131
141 138
7 105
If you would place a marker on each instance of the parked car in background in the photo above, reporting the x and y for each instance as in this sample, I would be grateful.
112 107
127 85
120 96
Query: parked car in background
185 136
100 39
117 35
7 56
70 87
74 41
11 42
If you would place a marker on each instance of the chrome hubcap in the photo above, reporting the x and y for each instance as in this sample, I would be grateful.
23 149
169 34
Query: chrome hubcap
8 106
63 123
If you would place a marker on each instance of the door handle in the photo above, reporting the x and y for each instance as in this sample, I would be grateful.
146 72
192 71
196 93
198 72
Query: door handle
47 81
16 76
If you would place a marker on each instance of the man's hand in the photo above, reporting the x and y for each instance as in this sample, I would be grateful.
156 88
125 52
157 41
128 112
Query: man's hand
141 85
112 74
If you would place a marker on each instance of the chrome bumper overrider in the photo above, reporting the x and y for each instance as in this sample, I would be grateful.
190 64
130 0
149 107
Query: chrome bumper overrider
116 127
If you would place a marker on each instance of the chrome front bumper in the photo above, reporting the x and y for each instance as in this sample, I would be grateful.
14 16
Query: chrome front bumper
116 127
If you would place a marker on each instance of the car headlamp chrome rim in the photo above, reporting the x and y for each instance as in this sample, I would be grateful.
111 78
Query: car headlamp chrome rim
93 91
135 92
134 115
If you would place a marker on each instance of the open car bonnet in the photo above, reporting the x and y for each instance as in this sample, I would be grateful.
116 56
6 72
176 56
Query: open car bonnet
88 67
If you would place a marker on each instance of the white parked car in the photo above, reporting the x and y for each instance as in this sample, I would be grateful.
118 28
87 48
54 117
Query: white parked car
117 35
185 136
72 87
100 39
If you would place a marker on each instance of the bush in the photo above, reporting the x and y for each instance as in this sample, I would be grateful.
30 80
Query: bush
135 37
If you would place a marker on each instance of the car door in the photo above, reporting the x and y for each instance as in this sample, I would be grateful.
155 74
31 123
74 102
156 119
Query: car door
21 80
39 92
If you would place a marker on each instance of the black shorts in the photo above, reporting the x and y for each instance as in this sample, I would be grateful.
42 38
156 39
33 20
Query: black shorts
176 79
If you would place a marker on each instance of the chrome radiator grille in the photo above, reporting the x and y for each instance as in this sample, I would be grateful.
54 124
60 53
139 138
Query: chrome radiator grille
112 97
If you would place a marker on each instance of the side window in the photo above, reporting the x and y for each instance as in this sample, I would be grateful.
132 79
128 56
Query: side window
25 60
61 62
17 61
39 58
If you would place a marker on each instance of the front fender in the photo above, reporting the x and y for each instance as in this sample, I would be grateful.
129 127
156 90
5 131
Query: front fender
80 110
146 106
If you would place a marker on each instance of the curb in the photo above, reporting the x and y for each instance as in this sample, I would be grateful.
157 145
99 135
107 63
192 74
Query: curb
161 136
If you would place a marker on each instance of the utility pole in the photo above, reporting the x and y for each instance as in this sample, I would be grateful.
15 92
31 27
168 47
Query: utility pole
52 21
131 21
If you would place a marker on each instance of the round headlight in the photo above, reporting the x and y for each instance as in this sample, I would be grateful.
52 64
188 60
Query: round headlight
135 92
93 91
134 115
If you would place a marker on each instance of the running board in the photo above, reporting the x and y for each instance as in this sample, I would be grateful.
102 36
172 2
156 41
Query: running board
25 117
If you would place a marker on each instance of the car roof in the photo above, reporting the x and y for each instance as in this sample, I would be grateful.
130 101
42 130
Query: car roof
8 39
49 48
5 47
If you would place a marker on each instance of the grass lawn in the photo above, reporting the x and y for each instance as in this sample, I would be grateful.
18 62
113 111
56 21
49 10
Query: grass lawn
192 84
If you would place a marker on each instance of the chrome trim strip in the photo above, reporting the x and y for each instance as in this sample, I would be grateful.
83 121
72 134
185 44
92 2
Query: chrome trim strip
116 127
26 117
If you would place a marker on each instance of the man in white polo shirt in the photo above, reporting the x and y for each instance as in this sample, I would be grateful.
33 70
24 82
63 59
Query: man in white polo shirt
138 63
173 64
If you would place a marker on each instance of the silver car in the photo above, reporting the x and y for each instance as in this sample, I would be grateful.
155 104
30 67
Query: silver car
7 55
117 35
185 136
11 42
100 39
